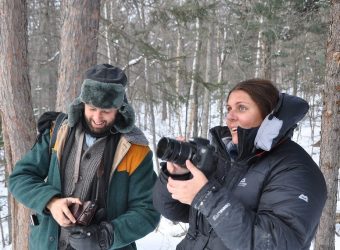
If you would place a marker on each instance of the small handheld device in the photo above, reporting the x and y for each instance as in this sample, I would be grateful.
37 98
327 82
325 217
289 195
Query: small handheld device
34 220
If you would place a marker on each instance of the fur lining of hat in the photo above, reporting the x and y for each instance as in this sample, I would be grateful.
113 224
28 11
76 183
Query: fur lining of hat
75 112
102 95
125 119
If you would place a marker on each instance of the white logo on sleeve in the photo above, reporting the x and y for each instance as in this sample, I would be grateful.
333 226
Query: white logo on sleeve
242 183
303 197
215 217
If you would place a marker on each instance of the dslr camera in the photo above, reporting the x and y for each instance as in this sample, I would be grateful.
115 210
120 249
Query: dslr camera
198 151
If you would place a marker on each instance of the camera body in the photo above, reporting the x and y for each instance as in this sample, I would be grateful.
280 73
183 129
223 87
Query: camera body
85 213
198 151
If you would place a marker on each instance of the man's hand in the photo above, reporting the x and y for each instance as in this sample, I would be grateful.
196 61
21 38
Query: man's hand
60 211
185 191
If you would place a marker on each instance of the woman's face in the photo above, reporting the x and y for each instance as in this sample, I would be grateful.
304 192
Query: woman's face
242 112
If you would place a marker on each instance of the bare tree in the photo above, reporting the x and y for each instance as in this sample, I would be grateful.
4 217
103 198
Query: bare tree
15 102
206 98
221 38
193 101
78 46
330 144
43 51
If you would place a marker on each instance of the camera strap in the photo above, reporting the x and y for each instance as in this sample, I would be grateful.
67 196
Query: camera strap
77 162
100 172
104 169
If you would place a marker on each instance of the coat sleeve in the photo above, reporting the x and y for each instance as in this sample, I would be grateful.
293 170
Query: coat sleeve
288 213
27 182
140 218
170 208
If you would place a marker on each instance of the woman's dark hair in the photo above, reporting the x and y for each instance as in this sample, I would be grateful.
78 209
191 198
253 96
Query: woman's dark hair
262 92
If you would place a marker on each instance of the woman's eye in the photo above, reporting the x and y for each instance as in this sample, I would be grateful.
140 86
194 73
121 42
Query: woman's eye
242 108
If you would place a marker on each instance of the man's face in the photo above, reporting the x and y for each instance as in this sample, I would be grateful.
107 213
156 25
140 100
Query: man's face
99 120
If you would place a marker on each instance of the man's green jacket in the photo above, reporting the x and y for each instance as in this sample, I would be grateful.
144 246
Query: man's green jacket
36 180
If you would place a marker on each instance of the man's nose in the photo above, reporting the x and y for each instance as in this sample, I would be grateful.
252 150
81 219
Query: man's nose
97 116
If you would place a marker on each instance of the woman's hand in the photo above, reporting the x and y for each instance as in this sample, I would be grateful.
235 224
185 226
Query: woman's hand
185 191
174 168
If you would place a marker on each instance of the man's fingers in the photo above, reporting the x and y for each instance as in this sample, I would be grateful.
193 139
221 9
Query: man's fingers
69 215
71 200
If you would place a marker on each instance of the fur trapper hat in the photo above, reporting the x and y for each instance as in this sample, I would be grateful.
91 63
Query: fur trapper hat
104 87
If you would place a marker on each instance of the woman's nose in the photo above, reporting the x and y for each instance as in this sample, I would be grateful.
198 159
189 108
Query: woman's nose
231 115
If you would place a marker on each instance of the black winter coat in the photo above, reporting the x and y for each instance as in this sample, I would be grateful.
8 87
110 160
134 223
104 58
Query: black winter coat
261 200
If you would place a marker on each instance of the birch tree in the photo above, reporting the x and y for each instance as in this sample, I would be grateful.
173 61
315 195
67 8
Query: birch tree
193 96
206 97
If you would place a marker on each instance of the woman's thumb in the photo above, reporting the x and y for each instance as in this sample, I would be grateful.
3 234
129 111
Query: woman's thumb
191 167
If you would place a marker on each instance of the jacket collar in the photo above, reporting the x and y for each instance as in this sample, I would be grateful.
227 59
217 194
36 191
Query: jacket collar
281 122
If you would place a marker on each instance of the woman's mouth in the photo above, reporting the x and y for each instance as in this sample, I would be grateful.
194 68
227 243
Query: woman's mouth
233 130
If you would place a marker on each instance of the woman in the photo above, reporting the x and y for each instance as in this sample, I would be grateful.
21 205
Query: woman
266 193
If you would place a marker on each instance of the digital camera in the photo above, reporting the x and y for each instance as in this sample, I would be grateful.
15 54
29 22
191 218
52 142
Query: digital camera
198 151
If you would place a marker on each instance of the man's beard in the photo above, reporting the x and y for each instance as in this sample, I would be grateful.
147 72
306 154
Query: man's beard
97 132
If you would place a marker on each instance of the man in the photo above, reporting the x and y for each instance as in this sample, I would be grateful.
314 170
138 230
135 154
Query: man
100 156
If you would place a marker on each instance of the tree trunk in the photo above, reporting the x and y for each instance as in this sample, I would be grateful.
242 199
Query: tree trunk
15 105
149 102
193 101
258 50
330 144
107 16
43 50
78 47
266 58
263 59
221 38
179 79
206 98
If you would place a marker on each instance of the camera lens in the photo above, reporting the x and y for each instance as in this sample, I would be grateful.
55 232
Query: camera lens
174 151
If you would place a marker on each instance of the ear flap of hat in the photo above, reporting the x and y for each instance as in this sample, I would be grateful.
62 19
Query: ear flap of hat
125 119
75 112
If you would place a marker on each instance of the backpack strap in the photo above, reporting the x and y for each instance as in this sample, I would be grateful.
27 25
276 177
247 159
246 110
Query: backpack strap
58 121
